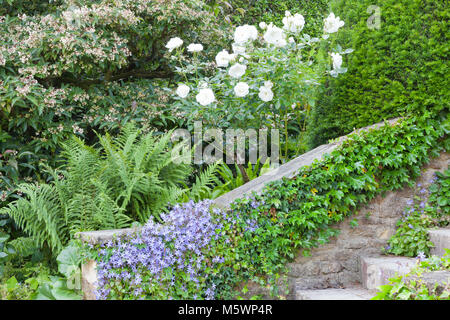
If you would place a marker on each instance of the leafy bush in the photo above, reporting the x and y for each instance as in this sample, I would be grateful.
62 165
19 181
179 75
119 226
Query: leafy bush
264 231
129 178
412 287
440 192
77 66
411 237
39 283
398 69
255 11
270 80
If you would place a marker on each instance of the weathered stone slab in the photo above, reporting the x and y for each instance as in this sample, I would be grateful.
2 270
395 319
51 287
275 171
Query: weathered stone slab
89 280
436 281
102 236
441 240
377 271
335 294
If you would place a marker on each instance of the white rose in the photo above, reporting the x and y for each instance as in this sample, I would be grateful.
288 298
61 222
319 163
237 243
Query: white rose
268 84
337 60
244 33
237 49
332 23
195 47
183 90
174 43
291 40
294 23
205 96
263 25
203 85
237 70
241 89
223 58
275 36
265 94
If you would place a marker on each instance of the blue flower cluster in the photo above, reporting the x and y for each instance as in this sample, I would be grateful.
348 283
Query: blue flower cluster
167 257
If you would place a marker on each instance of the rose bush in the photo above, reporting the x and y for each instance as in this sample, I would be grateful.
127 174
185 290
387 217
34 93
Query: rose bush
271 78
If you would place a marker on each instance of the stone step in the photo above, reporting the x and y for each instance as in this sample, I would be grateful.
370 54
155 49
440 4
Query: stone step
355 293
441 240
376 271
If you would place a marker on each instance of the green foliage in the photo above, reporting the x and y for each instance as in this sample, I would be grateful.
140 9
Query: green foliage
440 192
398 69
267 230
82 66
412 287
254 11
411 237
234 179
40 284
131 177
298 213
15 7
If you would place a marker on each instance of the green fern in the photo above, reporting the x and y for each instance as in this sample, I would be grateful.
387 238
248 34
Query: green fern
129 178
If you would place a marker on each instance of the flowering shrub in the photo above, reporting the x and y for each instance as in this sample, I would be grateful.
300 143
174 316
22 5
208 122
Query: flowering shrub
270 79
74 67
179 259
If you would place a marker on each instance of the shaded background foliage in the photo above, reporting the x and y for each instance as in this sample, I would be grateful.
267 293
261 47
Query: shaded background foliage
255 11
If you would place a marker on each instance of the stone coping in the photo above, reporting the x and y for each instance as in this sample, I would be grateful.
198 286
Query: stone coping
287 170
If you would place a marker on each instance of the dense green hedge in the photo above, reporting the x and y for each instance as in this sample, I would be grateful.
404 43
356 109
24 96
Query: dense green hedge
399 68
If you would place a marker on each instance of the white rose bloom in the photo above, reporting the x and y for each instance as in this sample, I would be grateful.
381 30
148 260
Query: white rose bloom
268 84
183 90
174 43
291 40
237 49
223 58
245 33
205 96
237 70
275 36
203 85
263 25
337 60
241 89
287 13
195 47
332 24
294 23
265 94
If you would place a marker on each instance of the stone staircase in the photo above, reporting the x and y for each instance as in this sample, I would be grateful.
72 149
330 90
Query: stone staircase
350 266
376 271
